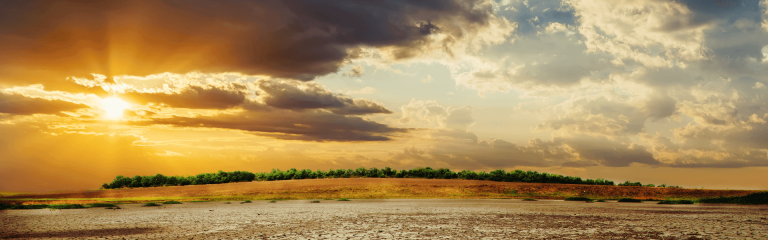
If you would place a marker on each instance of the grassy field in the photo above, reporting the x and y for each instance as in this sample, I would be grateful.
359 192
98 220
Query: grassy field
365 188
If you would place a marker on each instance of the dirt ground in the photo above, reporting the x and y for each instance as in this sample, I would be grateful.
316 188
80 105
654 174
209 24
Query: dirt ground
387 188
393 218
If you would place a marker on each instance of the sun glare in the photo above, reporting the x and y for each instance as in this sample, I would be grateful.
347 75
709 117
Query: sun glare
114 107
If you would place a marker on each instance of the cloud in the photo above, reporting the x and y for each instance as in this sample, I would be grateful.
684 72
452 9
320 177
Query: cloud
295 95
609 152
459 151
357 71
19 104
282 109
194 96
428 113
660 107
596 116
47 41
452 144
308 125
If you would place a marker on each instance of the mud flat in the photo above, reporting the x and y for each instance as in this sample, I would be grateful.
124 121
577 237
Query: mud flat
393 218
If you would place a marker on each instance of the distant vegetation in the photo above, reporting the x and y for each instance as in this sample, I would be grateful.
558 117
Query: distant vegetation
754 198
442 173
630 200
638 184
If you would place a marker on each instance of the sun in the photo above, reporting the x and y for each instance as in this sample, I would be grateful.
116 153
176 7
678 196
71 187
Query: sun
114 107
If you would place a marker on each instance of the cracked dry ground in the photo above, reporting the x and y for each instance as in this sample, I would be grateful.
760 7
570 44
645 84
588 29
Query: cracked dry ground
386 218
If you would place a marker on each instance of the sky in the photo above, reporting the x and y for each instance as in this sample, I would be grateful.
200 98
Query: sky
655 91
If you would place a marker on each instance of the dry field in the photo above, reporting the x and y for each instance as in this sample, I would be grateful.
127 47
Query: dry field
366 188
393 218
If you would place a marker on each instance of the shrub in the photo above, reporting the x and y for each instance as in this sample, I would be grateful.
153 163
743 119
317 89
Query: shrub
246 201
110 205
227 203
628 183
171 202
600 200
529 199
66 206
315 201
151 204
273 201
343 199
676 202
577 199
630 200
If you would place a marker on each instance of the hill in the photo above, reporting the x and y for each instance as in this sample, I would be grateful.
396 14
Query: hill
369 188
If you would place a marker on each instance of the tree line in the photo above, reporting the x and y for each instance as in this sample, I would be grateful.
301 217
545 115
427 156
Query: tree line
387 172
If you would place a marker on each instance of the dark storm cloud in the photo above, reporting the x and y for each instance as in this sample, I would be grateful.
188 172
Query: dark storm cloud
23 105
300 96
310 125
45 41
202 97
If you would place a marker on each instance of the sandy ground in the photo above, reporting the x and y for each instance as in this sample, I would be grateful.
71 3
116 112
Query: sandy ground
400 218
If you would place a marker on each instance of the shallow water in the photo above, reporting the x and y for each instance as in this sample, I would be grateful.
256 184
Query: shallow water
393 218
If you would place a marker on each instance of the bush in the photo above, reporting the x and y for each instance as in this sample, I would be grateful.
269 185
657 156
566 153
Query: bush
66 206
343 199
246 201
151 204
529 199
634 184
273 201
676 202
315 201
171 202
110 205
600 200
753 198
578 199
630 200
